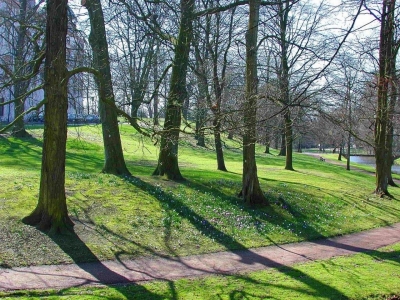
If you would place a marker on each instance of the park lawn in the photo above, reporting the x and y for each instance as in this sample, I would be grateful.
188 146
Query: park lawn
372 275
120 218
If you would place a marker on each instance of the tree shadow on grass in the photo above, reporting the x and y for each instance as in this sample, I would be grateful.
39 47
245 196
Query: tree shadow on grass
246 256
74 247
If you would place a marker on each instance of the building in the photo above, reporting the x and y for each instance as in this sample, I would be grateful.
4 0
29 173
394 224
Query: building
10 19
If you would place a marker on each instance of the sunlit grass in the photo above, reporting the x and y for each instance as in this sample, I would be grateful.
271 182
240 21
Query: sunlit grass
144 215
372 275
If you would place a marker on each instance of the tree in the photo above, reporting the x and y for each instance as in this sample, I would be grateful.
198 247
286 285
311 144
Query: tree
51 211
114 162
384 80
213 50
251 191
168 157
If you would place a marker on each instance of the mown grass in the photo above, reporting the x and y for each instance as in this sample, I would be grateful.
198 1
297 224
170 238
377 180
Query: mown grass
372 275
143 215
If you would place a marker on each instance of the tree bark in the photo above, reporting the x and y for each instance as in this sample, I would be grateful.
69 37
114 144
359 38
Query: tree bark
114 162
251 192
218 143
51 212
381 121
155 78
168 157
289 141
20 86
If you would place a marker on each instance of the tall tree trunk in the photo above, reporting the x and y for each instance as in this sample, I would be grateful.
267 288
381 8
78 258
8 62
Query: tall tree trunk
201 110
381 121
251 192
282 151
348 152
20 86
51 211
284 84
392 104
289 141
168 157
155 78
114 162
341 149
267 140
299 148
218 143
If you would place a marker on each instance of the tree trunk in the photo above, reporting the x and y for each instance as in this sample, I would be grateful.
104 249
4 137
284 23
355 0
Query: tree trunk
348 152
381 120
251 192
267 141
284 85
218 144
20 86
282 151
51 212
168 157
391 112
289 141
155 77
340 150
299 148
114 162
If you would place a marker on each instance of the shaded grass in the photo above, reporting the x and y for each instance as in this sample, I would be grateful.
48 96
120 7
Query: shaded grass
130 217
371 275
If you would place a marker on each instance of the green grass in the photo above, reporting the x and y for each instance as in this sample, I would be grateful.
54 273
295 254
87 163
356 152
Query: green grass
144 215
372 275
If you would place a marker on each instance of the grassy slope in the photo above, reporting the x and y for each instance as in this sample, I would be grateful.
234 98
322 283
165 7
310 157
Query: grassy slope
128 217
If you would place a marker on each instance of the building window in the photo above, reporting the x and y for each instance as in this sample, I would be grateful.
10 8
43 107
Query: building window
1 107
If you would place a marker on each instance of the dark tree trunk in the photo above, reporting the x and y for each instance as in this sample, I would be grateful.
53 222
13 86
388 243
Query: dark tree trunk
114 162
282 151
218 144
391 112
155 99
348 152
289 141
51 212
168 157
251 192
340 151
20 87
299 148
284 85
381 120
267 141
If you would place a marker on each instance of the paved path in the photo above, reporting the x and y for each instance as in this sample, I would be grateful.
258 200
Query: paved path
113 272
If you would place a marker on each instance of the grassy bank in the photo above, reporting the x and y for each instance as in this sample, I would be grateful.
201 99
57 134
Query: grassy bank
144 215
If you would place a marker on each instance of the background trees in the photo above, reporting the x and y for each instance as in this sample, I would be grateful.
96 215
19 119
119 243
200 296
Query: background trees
284 74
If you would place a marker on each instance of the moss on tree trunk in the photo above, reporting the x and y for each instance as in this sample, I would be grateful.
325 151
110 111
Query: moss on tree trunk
251 191
168 157
114 162
51 212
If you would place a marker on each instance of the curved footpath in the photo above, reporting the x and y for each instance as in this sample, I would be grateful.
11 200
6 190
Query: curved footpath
145 269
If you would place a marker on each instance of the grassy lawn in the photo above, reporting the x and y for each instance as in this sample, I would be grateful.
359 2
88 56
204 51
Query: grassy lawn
373 275
118 218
